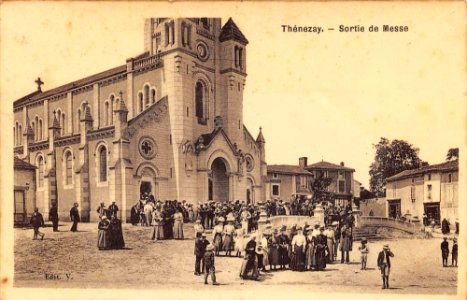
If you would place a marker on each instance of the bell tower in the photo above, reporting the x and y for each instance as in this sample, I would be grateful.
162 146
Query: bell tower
233 74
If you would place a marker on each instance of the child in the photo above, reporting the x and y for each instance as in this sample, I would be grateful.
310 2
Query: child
445 251
364 250
209 267
454 253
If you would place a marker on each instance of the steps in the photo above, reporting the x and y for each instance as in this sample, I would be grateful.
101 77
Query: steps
370 233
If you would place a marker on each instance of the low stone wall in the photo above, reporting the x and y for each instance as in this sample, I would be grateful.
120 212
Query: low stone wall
289 221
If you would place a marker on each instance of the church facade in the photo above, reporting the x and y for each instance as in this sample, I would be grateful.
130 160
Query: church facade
168 122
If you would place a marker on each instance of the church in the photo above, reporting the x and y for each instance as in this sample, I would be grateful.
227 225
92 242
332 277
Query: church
168 121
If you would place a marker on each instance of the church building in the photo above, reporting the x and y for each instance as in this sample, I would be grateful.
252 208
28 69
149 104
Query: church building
168 121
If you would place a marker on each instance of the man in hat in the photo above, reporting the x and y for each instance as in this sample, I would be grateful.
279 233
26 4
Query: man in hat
200 248
445 251
74 216
113 209
101 210
384 264
283 241
53 216
37 221
454 253
245 218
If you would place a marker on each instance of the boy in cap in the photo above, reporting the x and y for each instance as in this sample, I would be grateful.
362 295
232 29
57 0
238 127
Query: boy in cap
200 249
454 253
384 264
209 267
445 251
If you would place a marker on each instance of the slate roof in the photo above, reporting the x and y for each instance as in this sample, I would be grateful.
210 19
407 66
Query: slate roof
230 31
23 165
72 85
287 169
448 166
324 165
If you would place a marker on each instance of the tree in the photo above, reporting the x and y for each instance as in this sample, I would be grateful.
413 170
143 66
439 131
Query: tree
319 188
453 154
391 157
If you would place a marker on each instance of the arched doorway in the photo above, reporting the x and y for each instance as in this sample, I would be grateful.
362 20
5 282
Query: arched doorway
218 181
147 185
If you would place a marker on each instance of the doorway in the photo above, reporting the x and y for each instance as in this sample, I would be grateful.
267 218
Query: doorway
218 183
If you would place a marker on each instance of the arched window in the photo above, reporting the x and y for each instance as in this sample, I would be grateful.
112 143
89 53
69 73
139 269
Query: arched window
102 164
111 112
140 100
200 102
36 129
39 137
14 134
40 170
153 96
20 133
106 113
146 96
79 117
33 125
63 125
69 167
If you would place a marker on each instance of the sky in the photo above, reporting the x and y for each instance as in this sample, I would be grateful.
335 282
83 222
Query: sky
326 96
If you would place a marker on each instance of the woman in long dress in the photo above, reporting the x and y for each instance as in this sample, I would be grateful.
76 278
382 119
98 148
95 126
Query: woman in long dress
274 251
298 245
217 235
158 228
330 237
265 243
239 241
178 225
320 250
309 250
229 231
103 236
116 233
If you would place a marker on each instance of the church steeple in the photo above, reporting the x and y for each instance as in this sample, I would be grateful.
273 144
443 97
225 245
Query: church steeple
230 31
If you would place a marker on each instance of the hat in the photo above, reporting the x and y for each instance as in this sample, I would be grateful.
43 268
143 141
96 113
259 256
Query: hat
363 239
454 239
299 228
321 228
198 221
210 248
204 234
221 220
317 226
113 201
104 217
283 228
386 247
335 223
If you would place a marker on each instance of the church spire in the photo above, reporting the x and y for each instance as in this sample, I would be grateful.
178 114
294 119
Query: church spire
260 138
230 31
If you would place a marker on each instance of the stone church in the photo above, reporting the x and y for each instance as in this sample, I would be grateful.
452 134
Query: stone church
168 121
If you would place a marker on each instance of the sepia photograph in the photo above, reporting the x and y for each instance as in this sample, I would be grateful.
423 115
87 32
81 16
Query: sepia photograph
241 149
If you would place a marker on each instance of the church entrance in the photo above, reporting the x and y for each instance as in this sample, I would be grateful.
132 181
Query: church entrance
218 182
145 188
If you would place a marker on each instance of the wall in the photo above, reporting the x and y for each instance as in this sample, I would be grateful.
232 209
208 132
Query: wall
377 205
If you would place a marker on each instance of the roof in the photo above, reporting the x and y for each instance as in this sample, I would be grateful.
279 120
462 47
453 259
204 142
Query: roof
23 165
230 31
328 166
72 85
287 169
260 137
448 166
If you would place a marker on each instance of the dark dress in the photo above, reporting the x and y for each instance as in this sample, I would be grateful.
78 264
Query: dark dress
116 234
283 241
103 237
250 265
320 252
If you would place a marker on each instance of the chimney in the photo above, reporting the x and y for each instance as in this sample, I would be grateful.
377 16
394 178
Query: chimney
342 163
303 162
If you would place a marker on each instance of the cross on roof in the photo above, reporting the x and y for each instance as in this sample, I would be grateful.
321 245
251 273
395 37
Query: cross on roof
39 82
